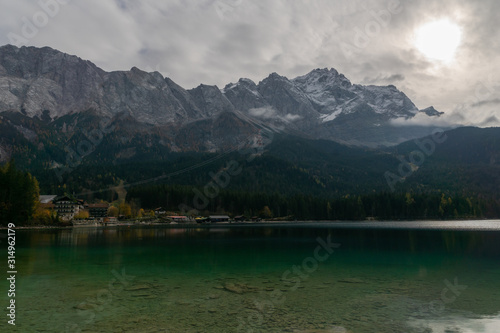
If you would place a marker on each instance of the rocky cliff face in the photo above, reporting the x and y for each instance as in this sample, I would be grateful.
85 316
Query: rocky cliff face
37 81
59 90
325 104
48 83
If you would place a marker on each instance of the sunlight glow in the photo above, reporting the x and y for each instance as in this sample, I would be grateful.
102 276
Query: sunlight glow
439 40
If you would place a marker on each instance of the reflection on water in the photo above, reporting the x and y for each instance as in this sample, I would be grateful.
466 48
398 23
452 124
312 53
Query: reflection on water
391 277
490 324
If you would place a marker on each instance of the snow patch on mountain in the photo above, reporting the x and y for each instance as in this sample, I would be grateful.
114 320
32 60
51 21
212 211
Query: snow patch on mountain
332 116
264 112
48 84
269 113
292 117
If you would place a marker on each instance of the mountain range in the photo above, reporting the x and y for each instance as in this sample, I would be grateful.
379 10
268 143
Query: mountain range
63 91
79 128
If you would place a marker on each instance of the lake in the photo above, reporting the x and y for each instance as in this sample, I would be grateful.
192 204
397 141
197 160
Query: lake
303 277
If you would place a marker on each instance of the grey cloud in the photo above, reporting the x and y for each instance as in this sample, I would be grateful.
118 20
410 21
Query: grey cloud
193 43
495 101
384 79
490 121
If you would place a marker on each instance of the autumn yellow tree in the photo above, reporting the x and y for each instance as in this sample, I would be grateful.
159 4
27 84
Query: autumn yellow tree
81 215
125 209
266 213
113 211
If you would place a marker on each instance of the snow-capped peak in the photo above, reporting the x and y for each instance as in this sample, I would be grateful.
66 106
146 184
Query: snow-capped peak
431 111
241 82
322 78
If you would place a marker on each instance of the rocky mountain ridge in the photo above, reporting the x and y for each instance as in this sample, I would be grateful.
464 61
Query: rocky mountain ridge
65 92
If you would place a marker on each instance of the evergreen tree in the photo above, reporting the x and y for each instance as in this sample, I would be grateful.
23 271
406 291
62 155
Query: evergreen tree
19 196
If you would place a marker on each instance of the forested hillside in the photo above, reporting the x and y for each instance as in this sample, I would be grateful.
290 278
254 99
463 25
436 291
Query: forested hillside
18 195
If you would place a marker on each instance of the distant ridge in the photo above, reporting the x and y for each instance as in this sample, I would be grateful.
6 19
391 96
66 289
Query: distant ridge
49 85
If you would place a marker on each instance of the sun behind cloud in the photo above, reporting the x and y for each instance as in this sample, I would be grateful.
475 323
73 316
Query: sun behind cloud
439 40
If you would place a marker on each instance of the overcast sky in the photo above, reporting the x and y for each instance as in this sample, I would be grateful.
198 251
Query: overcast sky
220 41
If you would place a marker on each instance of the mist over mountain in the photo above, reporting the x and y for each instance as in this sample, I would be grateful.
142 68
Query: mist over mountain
72 123
62 92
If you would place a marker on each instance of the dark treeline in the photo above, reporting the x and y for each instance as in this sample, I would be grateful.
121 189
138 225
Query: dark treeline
383 206
19 195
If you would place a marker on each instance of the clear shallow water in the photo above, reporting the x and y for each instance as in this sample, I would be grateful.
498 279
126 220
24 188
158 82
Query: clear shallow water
379 277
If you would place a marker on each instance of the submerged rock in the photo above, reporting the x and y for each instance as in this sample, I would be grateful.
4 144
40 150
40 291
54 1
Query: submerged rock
233 288
334 329
143 295
239 288
351 280
138 287
84 306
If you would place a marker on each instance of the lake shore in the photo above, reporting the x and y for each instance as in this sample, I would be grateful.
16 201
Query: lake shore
419 224
315 275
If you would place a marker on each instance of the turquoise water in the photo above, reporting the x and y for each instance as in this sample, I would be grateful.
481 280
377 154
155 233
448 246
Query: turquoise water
366 277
